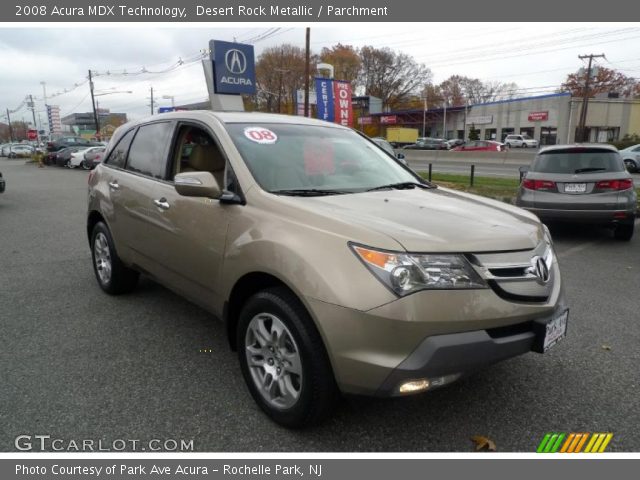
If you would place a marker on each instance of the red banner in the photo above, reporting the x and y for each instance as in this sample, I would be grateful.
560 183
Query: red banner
342 103
538 116
32 134
388 119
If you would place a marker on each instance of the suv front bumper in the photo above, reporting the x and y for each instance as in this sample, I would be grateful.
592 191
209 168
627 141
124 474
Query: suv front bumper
428 334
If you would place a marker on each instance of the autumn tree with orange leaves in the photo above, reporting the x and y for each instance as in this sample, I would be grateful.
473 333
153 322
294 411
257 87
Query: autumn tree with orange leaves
605 80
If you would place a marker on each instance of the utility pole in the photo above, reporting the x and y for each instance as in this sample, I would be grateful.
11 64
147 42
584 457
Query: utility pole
44 96
585 97
424 115
10 127
93 104
444 121
33 112
307 72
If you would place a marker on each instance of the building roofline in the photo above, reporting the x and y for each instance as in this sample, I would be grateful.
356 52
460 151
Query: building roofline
462 107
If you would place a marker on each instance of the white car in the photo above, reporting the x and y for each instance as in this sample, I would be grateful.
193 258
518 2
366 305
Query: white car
631 158
77 158
522 141
20 151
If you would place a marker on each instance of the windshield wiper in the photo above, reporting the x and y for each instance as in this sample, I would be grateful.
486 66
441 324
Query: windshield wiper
308 192
592 169
400 186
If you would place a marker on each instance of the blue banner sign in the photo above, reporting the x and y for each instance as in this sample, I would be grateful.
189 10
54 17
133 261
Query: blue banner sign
324 93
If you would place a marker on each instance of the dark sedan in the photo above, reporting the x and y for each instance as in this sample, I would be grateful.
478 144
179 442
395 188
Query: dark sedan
2 183
61 157
66 142
581 183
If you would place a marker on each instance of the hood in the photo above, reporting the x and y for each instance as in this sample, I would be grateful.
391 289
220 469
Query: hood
438 220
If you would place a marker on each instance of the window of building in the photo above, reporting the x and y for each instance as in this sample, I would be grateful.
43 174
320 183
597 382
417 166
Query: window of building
490 134
505 132
529 131
548 136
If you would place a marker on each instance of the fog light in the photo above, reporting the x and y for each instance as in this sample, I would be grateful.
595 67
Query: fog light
414 386
440 381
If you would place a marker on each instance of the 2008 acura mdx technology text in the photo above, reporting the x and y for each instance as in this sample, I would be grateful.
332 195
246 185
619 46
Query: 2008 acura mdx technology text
334 267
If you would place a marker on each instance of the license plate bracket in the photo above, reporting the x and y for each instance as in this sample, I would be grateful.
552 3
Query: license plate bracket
550 333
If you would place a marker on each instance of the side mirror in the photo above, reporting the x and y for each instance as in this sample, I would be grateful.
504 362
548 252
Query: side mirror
197 184
400 156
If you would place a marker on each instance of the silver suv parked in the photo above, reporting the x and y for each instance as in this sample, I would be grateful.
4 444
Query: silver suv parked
334 267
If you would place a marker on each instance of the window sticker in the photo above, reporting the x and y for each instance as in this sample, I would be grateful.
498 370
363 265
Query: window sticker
260 135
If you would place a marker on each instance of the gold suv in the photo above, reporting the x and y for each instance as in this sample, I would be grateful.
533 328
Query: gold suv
334 267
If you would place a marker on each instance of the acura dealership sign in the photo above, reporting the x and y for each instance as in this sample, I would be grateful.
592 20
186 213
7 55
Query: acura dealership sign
234 69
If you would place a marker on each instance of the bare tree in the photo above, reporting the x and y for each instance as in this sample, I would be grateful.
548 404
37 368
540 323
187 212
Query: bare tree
279 73
393 77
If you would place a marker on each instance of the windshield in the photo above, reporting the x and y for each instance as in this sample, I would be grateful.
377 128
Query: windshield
582 160
304 157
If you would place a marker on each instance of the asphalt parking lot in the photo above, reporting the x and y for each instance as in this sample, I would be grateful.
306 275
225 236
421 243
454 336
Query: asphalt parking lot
78 364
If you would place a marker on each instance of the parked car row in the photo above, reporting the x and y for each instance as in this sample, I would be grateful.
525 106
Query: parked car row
76 157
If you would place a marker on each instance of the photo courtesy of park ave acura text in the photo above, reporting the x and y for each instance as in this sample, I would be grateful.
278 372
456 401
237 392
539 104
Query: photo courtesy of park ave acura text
276 237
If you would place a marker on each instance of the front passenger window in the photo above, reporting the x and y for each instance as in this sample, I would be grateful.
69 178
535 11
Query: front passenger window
148 153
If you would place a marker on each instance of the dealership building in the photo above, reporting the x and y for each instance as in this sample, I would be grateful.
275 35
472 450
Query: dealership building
551 119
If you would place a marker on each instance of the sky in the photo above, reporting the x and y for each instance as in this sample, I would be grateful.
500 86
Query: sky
536 56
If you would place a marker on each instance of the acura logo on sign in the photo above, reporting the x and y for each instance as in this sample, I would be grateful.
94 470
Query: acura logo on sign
235 61
539 269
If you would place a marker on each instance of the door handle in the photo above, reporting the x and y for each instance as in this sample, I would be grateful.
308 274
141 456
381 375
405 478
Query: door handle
162 203
114 185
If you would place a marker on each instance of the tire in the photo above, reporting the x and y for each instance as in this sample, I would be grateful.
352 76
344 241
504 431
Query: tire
84 165
68 164
298 356
624 231
508 145
113 276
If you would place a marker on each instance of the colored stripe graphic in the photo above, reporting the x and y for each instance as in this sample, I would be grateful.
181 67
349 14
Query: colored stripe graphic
543 443
581 443
606 441
567 442
554 442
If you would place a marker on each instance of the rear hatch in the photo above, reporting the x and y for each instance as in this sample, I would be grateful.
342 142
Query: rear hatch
577 178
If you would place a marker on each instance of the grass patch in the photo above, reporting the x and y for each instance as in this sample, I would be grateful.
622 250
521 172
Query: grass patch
503 189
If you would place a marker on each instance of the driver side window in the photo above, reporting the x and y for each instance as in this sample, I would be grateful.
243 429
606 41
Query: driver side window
196 151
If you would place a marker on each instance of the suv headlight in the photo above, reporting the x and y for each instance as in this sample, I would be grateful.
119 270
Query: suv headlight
405 273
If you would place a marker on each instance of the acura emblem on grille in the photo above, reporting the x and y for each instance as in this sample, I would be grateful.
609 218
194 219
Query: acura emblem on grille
539 268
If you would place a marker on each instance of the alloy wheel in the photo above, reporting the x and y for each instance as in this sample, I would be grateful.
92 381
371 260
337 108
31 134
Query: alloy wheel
102 258
274 361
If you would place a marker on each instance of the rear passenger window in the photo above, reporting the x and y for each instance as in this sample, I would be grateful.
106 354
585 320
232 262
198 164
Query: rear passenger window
118 155
148 153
